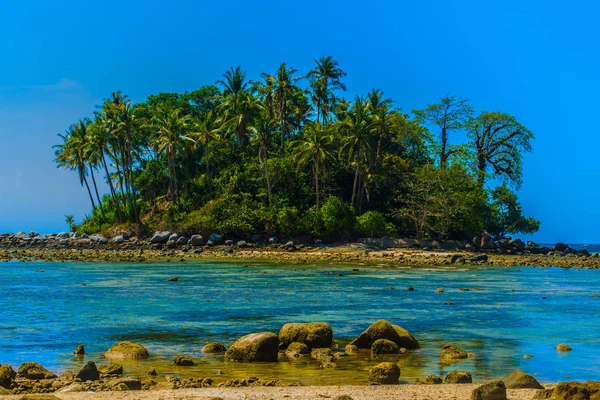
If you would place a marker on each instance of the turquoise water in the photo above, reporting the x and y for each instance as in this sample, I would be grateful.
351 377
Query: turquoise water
44 315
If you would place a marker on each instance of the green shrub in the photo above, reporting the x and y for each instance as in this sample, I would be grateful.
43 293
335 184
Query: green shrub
373 224
334 220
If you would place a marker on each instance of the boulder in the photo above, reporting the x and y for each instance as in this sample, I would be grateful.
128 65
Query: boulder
570 391
80 350
127 351
182 241
118 239
313 335
296 349
520 380
273 240
322 354
594 389
542 394
561 247
242 244
131 383
563 348
229 242
183 361
458 377
160 237
494 390
517 244
196 240
214 347
384 330
450 352
385 373
173 237
384 346
487 242
262 346
33 370
63 235
7 376
74 387
89 372
430 380
256 238
215 237
98 239
111 369
351 349
5 392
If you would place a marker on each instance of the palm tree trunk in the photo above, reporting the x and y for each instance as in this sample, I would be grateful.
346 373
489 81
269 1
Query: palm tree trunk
355 182
112 190
267 177
89 191
132 183
317 184
207 168
97 194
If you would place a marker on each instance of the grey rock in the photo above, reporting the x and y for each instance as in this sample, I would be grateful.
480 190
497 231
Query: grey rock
196 240
215 237
118 239
273 240
160 237
182 241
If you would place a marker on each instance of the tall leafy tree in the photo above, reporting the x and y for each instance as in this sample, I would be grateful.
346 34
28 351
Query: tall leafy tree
449 114
262 133
205 131
325 78
314 149
499 141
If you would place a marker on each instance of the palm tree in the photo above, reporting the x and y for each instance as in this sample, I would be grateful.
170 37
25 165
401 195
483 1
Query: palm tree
314 148
172 129
205 132
384 117
70 221
238 105
262 131
284 94
357 130
71 155
325 78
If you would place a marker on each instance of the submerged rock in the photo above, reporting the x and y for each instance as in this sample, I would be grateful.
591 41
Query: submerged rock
563 348
127 351
183 361
296 349
313 334
384 346
520 380
450 352
214 347
33 370
382 329
262 346
458 377
385 373
89 372
494 390
322 354
80 350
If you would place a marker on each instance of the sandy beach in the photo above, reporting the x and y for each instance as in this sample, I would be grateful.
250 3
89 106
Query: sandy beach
416 392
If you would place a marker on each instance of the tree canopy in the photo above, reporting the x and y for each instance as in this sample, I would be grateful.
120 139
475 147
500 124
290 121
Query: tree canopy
287 154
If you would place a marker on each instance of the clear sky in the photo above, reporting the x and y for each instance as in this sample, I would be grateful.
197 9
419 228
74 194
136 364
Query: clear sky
537 60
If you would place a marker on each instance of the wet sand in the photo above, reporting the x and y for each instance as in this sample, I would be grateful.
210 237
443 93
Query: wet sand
416 392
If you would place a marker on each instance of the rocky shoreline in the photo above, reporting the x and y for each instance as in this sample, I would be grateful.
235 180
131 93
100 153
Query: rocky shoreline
169 246
297 340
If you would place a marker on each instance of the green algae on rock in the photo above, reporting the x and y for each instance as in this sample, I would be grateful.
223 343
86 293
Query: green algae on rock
127 351
382 329
263 346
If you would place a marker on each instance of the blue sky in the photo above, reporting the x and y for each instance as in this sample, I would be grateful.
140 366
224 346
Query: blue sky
537 60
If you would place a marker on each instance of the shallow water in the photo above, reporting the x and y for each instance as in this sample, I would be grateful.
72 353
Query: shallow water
44 315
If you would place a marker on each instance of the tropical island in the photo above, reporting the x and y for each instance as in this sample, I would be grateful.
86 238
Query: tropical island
287 155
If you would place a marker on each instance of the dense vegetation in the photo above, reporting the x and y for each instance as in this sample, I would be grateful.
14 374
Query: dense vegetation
289 155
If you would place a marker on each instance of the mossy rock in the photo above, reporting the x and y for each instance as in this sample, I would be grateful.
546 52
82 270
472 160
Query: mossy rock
127 351
430 380
33 370
384 346
7 376
89 372
594 388
322 354
570 391
183 361
494 390
214 347
351 349
382 329
111 369
520 380
296 349
458 377
313 334
255 347
385 373
450 352
563 348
